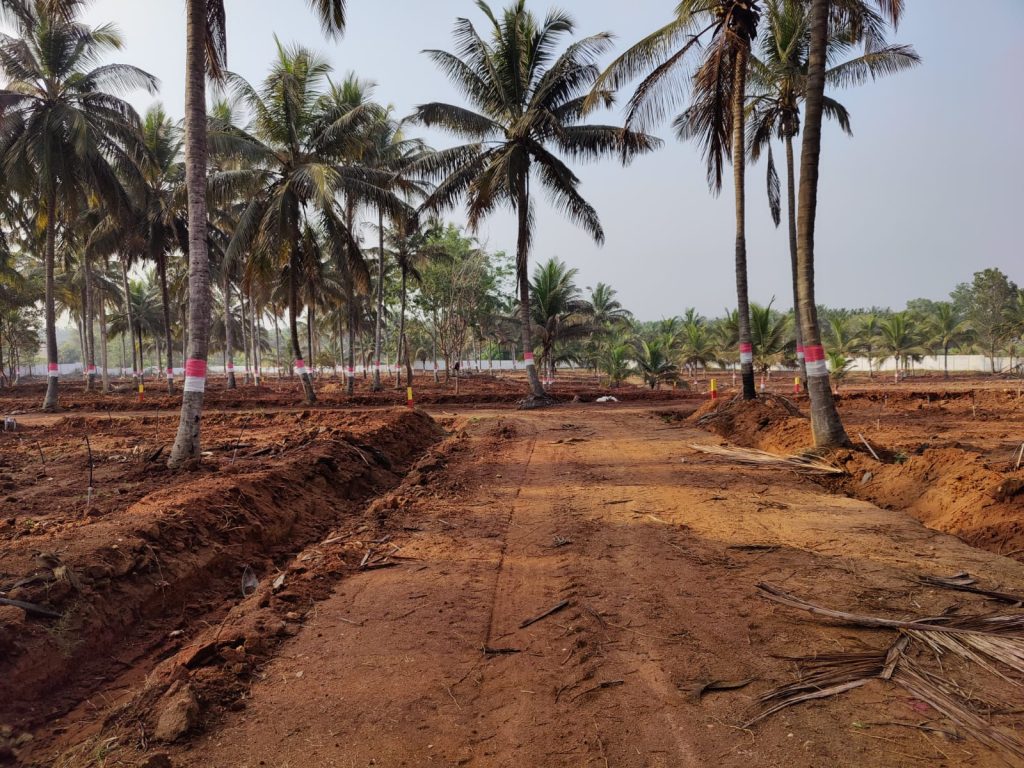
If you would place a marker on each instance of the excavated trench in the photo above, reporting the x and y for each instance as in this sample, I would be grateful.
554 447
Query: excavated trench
974 494
146 586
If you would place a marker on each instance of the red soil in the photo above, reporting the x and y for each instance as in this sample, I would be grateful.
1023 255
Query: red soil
948 458
155 551
347 587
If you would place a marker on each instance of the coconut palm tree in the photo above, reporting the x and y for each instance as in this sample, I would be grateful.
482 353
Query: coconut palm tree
778 80
206 53
841 335
350 106
526 105
392 151
616 360
947 328
826 426
899 340
769 333
715 117
868 333
605 309
64 131
654 361
559 313
294 177
697 348
410 245
161 228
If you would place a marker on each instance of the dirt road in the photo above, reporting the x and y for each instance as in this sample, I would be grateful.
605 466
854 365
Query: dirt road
657 550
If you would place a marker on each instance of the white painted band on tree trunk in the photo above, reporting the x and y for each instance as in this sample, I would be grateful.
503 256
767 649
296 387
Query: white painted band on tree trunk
53 374
817 368
195 384
746 357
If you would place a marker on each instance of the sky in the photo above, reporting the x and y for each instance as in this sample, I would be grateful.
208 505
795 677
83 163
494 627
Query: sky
925 193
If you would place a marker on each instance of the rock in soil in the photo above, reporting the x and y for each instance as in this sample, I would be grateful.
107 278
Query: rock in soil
179 713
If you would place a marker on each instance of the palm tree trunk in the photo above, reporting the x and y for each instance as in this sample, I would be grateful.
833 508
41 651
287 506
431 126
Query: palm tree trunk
165 299
401 336
350 362
350 292
80 327
131 322
310 322
945 361
380 304
186 443
229 341
104 368
739 173
293 323
433 345
522 275
52 368
90 336
826 425
408 360
791 215
142 353
257 352
245 332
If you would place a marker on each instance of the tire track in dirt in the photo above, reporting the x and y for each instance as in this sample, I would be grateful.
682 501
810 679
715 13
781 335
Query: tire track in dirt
567 664
500 571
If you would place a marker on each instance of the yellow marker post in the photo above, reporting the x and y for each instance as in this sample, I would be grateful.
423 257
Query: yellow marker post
796 385
408 398
142 390
714 389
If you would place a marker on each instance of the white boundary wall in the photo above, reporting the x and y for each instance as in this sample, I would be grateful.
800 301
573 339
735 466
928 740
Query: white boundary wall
957 363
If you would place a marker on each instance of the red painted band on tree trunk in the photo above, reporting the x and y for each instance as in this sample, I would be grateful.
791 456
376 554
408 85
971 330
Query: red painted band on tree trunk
195 369
528 357
814 354
746 347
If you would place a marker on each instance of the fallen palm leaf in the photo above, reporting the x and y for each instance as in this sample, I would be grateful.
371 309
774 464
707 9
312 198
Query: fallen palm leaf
720 685
830 675
763 458
924 686
984 649
992 642
1003 624
963 582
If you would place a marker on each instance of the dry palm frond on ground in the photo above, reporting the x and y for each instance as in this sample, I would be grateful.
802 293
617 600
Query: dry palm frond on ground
995 643
762 458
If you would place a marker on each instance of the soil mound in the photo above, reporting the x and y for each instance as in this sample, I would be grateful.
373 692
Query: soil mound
948 489
769 423
114 586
